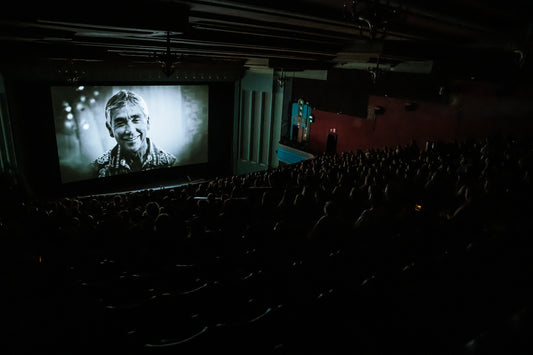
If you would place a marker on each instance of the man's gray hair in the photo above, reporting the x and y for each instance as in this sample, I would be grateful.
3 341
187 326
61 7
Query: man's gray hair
120 99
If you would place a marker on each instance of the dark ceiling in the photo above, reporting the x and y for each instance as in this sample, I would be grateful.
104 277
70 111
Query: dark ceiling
409 35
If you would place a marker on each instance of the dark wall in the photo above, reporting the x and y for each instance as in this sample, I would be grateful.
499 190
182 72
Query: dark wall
475 113
34 135
345 91
451 102
221 116
395 126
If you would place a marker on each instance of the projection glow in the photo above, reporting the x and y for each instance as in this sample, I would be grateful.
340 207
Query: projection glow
177 124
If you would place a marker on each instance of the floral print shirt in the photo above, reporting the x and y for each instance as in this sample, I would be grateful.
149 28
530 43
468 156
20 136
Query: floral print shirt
112 163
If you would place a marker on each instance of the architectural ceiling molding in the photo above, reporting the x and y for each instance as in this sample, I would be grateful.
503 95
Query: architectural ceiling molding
296 35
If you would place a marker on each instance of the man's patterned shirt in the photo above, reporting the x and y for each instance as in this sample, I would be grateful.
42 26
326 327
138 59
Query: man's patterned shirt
112 163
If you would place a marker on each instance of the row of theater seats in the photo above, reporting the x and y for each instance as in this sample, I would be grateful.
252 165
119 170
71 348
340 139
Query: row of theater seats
183 272
247 302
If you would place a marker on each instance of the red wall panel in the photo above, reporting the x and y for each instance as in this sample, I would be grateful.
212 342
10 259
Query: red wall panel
473 117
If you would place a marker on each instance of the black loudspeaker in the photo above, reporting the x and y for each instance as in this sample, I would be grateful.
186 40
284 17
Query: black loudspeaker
410 106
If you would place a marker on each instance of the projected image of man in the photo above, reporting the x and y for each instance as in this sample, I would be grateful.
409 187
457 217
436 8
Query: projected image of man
128 122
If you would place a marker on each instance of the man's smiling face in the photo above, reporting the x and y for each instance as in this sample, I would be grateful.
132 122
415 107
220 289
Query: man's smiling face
129 126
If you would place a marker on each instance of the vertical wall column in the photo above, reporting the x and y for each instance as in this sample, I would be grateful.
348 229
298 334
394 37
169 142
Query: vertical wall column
277 117
255 123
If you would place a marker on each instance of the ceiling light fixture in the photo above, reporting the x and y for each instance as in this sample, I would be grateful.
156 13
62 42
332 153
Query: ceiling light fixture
168 60
71 73
372 16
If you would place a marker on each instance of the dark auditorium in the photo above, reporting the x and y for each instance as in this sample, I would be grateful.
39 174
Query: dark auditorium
251 177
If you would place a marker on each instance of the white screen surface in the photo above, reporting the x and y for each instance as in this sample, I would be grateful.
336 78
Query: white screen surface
178 124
